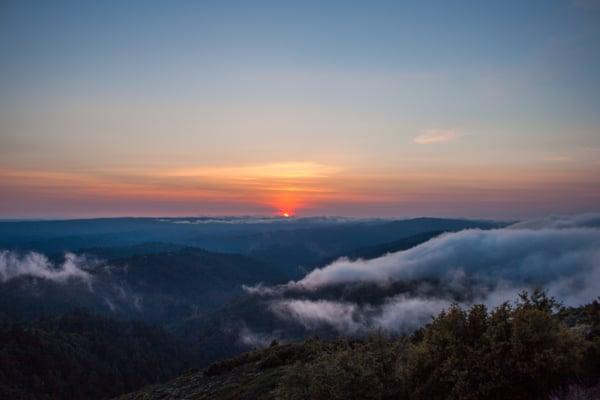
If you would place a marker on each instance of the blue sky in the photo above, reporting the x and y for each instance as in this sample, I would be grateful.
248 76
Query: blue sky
124 93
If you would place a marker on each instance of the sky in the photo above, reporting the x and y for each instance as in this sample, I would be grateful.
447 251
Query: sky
373 108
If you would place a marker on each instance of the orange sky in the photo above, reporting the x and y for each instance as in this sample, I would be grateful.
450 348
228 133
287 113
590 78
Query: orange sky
337 108
297 188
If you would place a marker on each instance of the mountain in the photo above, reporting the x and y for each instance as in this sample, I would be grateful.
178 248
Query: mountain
153 269
300 250
194 293
121 252
521 352
156 286
248 321
184 277
291 244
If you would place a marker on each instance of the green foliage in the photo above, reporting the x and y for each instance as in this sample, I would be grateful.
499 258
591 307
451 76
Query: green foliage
520 353
523 351
533 349
585 321
349 370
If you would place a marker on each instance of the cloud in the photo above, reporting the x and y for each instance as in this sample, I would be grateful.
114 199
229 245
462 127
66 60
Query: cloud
260 290
344 317
519 256
14 265
255 340
432 136
589 220
105 283
228 221
399 292
397 314
404 314
249 220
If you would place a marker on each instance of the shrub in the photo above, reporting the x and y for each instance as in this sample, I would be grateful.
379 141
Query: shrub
517 352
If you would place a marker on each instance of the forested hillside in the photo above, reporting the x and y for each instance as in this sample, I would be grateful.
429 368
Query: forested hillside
530 350
82 356
366 298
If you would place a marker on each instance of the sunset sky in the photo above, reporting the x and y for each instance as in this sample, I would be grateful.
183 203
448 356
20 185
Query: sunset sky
374 108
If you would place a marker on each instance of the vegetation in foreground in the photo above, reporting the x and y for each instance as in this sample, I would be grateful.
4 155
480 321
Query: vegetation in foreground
533 349
83 356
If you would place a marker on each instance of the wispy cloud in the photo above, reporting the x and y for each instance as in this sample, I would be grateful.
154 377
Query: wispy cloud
13 265
432 136
344 317
253 339
397 314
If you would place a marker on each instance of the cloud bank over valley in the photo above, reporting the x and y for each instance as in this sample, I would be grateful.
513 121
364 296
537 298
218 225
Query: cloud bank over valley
399 292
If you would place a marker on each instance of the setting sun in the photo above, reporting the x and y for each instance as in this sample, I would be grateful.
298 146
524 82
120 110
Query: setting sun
286 215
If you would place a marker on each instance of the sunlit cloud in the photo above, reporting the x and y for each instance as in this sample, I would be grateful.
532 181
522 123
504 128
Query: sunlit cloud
432 136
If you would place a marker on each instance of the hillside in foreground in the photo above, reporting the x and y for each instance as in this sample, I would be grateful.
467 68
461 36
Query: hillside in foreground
79 355
530 350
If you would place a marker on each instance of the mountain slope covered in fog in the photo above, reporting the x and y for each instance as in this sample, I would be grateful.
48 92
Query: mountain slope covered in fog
158 286
288 280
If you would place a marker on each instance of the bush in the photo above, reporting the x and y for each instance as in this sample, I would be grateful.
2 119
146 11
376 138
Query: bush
517 352
359 370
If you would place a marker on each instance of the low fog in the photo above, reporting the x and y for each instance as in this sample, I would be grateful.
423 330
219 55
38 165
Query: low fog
401 291
14 265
